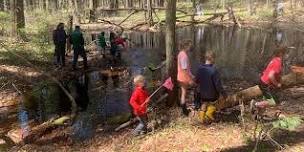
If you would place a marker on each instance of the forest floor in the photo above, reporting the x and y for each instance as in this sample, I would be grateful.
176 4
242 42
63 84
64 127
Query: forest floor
181 133
186 134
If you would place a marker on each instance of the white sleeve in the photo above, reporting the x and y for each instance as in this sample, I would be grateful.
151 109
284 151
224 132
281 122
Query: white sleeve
184 63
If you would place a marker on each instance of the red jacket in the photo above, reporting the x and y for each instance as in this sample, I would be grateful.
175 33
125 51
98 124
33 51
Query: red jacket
138 97
120 41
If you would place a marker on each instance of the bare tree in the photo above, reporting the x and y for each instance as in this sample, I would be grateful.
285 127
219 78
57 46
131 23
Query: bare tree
170 46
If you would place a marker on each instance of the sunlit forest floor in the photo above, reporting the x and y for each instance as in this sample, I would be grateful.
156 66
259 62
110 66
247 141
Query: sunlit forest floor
180 134
184 134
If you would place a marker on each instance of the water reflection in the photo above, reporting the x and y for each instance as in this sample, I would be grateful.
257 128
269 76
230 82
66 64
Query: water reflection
241 53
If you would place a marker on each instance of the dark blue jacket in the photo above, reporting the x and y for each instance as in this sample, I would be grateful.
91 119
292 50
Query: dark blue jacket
210 86
59 36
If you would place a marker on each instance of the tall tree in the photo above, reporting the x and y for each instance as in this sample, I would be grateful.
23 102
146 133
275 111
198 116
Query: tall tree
171 64
93 8
1 5
17 11
150 13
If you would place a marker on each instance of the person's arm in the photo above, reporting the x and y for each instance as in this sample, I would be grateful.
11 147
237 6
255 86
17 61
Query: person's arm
81 40
184 65
273 79
197 76
218 84
54 37
70 39
133 101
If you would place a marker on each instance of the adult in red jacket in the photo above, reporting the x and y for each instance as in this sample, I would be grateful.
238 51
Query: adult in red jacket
137 100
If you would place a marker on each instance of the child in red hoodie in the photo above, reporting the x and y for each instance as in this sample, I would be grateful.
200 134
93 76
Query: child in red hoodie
270 81
137 100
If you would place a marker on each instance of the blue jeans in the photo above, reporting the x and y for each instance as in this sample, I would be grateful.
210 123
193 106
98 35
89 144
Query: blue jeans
142 125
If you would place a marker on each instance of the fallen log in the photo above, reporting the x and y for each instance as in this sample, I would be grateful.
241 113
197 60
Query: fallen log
253 92
38 131
19 136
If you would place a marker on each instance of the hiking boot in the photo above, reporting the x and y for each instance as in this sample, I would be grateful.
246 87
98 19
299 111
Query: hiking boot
185 110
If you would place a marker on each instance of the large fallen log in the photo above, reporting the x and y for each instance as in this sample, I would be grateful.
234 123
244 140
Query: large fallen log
29 135
253 92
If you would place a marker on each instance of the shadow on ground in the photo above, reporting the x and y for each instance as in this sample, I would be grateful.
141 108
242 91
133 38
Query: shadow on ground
285 138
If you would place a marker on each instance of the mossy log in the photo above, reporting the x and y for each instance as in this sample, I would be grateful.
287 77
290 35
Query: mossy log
38 131
253 92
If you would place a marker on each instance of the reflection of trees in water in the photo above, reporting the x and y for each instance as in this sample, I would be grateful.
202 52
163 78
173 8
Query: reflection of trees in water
239 52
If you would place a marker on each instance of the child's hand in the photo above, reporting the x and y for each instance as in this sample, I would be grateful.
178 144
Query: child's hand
279 85
145 103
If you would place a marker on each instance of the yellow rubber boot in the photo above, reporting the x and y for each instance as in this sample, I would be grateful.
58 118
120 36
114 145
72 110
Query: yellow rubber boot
210 112
202 116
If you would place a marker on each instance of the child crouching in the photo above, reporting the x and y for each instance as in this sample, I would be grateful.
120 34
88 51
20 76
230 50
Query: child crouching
138 102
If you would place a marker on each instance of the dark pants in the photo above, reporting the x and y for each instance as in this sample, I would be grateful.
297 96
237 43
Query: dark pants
79 51
142 125
60 53
269 92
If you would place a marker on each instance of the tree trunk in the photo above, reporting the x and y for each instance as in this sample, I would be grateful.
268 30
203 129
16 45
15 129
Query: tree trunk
150 12
93 9
171 64
194 10
20 14
1 5
17 13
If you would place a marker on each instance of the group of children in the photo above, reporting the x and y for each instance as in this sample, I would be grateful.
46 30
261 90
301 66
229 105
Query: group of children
207 80
115 42
209 84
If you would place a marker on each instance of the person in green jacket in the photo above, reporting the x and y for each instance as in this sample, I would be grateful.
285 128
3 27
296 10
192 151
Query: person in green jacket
102 43
77 41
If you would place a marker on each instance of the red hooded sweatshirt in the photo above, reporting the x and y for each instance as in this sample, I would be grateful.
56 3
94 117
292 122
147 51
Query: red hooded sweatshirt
138 97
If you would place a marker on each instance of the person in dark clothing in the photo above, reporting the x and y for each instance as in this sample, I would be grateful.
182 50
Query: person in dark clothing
209 82
114 46
77 41
59 38
102 43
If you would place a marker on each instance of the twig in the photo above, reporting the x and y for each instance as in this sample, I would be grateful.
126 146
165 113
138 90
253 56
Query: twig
16 89
242 108
4 85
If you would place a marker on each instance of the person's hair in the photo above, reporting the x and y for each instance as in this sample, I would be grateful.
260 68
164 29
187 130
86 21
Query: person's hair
139 79
280 51
112 35
60 26
186 44
102 33
77 27
210 55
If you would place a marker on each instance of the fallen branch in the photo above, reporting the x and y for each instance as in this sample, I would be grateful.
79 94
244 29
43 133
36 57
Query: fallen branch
137 9
132 13
40 130
137 25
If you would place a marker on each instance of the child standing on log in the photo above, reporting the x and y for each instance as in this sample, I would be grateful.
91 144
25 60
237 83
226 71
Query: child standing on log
270 81
138 98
